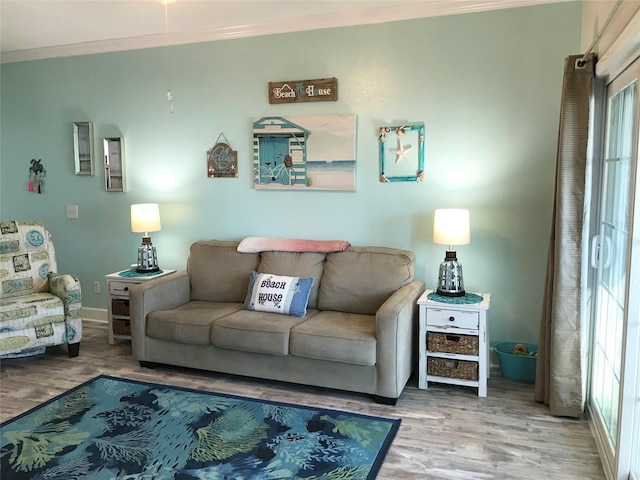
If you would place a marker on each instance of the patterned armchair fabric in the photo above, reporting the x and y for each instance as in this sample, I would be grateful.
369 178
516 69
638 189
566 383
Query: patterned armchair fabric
38 306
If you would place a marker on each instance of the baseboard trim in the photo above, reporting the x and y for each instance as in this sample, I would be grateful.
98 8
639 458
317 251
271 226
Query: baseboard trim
98 315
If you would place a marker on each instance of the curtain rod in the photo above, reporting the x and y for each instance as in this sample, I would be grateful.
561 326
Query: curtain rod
581 63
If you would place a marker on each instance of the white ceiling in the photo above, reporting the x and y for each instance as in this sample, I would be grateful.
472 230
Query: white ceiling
37 29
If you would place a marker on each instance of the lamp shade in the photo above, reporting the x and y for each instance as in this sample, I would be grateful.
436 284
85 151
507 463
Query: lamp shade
145 217
451 226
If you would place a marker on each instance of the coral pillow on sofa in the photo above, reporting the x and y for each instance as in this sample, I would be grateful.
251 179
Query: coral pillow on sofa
278 294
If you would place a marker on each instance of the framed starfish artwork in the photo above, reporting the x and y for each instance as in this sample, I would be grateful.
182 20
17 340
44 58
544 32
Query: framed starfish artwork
402 153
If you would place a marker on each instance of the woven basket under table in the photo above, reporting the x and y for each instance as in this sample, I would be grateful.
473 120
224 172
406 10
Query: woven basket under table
120 306
445 367
121 327
447 343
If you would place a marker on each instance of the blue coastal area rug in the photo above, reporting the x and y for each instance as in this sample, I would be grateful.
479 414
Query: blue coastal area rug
115 428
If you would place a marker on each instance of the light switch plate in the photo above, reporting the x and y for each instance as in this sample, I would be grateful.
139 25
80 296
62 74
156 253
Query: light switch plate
72 211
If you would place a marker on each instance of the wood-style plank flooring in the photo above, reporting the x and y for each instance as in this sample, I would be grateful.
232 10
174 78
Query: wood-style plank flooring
447 432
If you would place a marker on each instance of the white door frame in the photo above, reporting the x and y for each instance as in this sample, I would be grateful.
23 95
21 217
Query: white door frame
624 51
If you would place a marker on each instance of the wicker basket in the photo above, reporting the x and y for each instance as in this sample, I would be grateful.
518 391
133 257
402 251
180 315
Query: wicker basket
121 327
120 307
444 367
447 343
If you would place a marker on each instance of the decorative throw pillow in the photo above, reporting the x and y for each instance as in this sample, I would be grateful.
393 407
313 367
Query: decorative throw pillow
278 294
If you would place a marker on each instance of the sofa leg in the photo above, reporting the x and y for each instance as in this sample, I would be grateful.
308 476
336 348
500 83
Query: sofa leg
150 365
74 349
385 400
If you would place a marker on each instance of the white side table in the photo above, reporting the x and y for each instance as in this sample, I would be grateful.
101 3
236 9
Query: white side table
454 343
118 301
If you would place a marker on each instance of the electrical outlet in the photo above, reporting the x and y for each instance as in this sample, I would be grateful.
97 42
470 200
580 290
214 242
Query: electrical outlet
96 287
72 211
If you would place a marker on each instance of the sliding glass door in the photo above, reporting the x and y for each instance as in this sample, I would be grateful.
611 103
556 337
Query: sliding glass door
613 399
635 446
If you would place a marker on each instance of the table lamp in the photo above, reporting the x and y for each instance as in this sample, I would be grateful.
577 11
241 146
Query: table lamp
451 227
145 217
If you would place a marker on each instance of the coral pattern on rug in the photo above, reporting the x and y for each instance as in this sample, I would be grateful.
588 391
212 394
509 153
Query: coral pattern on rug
112 428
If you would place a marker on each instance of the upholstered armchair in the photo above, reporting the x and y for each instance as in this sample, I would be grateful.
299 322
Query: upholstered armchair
38 306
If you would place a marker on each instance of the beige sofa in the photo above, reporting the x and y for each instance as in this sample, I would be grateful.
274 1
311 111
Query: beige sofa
357 333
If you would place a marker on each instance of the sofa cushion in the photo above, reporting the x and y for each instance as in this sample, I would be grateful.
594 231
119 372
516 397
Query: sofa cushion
218 273
278 294
258 332
189 323
360 279
307 264
336 336
29 311
29 321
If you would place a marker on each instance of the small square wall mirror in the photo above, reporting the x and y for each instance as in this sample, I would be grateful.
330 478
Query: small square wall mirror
83 148
114 164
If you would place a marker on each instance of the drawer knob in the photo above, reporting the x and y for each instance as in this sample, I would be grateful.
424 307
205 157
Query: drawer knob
452 319
126 289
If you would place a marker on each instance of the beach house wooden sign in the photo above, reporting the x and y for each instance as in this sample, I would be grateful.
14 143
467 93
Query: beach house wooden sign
297 91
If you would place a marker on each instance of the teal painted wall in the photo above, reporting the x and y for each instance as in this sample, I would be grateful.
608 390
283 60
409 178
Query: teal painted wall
486 85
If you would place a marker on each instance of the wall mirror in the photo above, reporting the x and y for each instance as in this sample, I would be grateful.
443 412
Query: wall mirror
114 164
83 148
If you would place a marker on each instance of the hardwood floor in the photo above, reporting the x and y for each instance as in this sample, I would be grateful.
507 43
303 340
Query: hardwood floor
447 432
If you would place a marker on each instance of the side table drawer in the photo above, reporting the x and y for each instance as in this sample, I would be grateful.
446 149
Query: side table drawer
119 288
452 318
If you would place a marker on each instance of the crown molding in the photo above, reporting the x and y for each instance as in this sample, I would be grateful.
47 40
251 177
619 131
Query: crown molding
402 10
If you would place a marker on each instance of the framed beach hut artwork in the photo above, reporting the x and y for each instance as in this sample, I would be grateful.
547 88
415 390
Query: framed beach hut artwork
305 152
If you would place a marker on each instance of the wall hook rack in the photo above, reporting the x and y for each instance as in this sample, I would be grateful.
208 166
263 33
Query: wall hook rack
36 173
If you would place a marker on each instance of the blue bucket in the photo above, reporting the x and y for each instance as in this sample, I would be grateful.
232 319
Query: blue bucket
521 368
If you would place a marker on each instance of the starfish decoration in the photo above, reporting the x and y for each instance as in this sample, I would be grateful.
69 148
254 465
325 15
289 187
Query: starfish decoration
401 152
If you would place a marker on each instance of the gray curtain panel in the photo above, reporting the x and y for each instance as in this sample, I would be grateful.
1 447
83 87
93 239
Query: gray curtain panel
559 370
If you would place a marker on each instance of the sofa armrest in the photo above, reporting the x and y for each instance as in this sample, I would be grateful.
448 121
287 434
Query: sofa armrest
395 325
67 288
163 293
